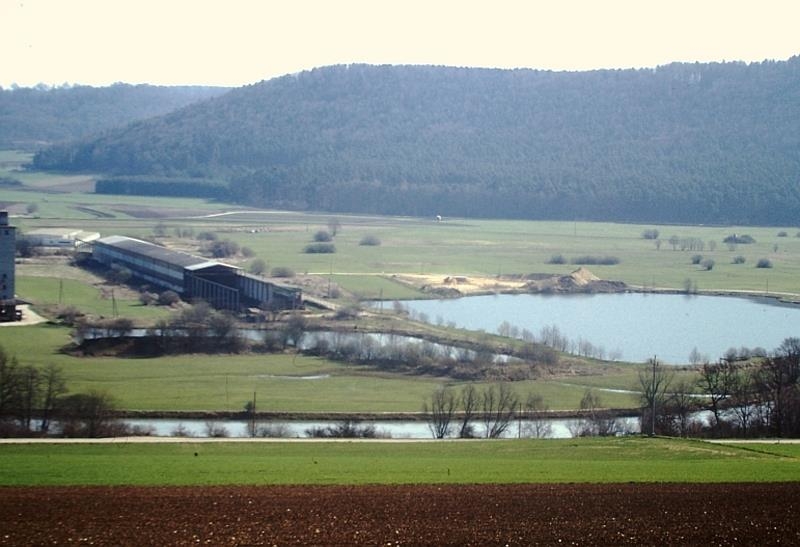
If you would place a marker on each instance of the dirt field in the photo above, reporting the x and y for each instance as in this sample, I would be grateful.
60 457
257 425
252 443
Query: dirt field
736 514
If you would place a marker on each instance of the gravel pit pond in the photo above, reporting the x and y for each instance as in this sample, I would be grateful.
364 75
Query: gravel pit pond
627 326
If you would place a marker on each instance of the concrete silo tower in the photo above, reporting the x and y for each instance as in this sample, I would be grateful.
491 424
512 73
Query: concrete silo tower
8 248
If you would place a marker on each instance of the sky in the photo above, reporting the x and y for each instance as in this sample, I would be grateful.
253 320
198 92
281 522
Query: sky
240 42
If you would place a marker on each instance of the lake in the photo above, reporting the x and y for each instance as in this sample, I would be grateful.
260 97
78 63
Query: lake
628 326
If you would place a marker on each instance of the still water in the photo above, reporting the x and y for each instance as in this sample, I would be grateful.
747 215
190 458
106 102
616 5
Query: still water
629 326
558 428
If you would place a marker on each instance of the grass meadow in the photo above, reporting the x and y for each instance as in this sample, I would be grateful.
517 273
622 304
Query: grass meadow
281 381
418 245
588 460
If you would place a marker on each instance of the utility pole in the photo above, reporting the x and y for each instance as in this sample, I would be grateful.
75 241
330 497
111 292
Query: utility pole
253 417
653 395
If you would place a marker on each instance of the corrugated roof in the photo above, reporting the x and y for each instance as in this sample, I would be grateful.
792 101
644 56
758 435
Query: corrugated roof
156 252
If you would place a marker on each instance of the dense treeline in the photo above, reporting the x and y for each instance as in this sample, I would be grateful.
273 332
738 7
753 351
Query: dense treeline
148 186
681 143
31 116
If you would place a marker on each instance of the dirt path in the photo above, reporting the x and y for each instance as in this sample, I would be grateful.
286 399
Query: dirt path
29 317
669 514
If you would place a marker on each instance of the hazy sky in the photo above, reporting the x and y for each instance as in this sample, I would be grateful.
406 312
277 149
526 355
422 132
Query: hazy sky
237 42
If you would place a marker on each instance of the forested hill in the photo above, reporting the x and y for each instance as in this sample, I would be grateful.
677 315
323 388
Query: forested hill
32 116
681 143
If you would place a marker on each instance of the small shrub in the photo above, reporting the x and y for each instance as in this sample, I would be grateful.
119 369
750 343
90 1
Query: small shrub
743 239
650 233
319 248
764 263
120 274
696 259
181 431
223 249
215 430
257 266
783 234
370 241
595 260
707 264
247 252
739 259
281 271
557 259
323 236
148 298
168 298
207 236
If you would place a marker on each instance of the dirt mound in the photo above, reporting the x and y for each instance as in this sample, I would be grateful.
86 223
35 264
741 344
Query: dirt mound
632 514
583 277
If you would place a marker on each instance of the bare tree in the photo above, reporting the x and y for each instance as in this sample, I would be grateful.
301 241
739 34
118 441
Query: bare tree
654 380
53 387
469 406
597 421
9 383
538 426
334 225
440 412
679 406
742 399
88 415
715 383
29 384
778 380
499 404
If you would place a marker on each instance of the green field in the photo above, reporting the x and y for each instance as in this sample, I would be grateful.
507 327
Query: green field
420 245
626 459
226 382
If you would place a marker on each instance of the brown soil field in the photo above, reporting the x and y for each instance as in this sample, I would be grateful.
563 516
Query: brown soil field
626 514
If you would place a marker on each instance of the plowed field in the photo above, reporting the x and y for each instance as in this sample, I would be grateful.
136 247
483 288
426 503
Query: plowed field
731 514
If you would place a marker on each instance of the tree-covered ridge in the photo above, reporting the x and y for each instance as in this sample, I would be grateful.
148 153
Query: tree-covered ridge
32 116
680 143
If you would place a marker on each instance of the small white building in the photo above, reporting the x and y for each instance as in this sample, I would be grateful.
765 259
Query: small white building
60 237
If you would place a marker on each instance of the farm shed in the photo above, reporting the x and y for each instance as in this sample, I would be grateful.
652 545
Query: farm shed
221 285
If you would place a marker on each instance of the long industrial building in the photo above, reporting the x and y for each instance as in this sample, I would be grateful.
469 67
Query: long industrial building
221 285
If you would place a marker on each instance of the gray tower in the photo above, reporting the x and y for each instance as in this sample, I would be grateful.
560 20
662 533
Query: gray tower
8 249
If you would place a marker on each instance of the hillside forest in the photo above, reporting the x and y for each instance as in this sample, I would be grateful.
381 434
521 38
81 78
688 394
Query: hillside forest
681 143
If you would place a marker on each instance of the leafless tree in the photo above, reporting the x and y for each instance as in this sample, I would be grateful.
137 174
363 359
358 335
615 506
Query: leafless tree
499 402
654 381
596 421
29 392
679 406
778 381
538 426
743 398
334 225
53 387
440 412
469 406
716 381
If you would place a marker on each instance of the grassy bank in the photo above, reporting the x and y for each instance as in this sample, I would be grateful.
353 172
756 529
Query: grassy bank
553 461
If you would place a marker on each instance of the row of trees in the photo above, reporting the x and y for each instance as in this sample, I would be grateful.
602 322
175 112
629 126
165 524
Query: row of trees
490 412
34 401
450 411
759 397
